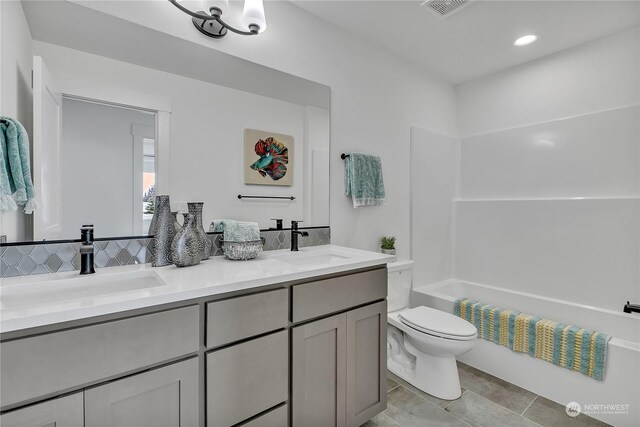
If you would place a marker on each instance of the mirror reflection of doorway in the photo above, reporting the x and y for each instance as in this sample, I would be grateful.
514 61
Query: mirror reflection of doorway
108 167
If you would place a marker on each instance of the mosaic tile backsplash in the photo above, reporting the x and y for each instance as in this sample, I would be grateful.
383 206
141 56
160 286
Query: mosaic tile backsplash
25 260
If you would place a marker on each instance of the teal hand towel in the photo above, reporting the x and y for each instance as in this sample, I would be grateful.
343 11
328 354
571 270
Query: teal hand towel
217 225
236 231
363 180
15 169
241 231
6 201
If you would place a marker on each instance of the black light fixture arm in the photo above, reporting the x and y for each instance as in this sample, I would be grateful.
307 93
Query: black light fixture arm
196 15
254 28
201 19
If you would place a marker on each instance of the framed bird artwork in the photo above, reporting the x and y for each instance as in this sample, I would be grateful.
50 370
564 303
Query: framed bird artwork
268 158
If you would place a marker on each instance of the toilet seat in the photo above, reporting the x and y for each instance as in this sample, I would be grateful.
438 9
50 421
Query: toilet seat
438 323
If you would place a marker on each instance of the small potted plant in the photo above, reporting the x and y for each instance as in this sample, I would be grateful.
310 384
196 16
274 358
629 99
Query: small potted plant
388 245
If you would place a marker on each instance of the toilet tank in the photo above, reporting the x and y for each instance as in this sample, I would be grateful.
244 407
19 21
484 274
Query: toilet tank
399 284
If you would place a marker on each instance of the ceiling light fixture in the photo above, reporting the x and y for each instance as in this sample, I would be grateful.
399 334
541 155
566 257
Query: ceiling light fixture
207 17
525 40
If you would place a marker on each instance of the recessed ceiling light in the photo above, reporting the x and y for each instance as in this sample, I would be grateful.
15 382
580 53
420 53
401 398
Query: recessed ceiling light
525 40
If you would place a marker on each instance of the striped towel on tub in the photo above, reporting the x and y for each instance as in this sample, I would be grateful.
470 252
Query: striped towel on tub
564 345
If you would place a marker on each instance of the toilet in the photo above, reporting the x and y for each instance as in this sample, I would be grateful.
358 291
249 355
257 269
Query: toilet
422 342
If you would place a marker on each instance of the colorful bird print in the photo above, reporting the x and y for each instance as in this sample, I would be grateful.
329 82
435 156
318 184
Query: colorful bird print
273 158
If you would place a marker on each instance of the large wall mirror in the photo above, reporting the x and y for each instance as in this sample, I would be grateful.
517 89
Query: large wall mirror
122 113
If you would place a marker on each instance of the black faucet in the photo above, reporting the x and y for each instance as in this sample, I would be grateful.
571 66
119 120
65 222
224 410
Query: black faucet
295 233
631 308
86 249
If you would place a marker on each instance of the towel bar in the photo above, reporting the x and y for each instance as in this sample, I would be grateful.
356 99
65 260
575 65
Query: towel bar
344 156
240 196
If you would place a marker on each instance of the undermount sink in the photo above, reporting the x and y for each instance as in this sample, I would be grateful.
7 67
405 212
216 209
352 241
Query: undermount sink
312 258
316 259
77 288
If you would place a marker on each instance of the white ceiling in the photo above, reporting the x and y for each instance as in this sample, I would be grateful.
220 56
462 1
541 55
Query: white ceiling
478 39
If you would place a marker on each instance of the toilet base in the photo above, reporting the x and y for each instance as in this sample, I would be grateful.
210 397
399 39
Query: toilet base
435 375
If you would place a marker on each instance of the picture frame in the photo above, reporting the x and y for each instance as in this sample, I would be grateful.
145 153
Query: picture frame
268 158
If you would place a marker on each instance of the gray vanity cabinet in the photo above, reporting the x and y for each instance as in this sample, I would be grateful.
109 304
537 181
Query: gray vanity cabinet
319 366
61 412
339 369
299 354
339 362
166 396
366 363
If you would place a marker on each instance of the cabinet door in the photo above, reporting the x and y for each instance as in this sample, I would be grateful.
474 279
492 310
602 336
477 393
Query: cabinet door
166 396
62 412
366 363
319 373
246 379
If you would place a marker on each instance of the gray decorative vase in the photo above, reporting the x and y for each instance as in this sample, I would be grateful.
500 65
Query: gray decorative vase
195 208
154 220
176 224
164 232
187 245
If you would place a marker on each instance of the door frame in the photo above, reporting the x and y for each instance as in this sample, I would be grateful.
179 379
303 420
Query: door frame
162 128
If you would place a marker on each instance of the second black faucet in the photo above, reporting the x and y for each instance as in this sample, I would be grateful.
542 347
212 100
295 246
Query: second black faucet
295 233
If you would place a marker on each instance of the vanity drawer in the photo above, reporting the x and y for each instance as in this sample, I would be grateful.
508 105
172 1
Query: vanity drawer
54 362
315 299
246 316
275 418
246 379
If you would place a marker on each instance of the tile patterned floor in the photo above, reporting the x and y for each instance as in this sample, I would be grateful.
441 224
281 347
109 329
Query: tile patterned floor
486 401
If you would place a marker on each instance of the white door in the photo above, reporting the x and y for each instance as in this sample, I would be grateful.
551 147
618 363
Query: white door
47 119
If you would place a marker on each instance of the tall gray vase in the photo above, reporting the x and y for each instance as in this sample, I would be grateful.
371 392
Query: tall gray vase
195 208
154 221
187 245
164 232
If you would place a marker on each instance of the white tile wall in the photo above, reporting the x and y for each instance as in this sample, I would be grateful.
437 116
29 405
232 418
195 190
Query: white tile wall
585 251
593 155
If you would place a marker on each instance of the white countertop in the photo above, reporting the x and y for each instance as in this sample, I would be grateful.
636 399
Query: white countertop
40 300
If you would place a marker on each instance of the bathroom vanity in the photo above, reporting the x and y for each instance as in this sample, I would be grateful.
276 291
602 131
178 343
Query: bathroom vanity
287 339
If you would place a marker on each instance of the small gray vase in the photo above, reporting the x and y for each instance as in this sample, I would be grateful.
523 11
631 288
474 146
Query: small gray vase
195 208
176 224
186 248
164 232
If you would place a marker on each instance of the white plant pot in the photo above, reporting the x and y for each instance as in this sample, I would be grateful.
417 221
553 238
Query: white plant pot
388 251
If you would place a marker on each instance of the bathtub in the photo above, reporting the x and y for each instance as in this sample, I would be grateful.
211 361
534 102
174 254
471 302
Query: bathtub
614 400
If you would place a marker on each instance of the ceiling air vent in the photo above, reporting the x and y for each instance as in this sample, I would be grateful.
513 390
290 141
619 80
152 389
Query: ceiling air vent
445 8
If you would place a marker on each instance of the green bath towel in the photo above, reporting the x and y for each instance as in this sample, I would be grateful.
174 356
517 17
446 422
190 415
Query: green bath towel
14 167
363 180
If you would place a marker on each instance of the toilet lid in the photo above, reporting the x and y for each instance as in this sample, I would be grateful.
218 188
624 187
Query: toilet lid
438 323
